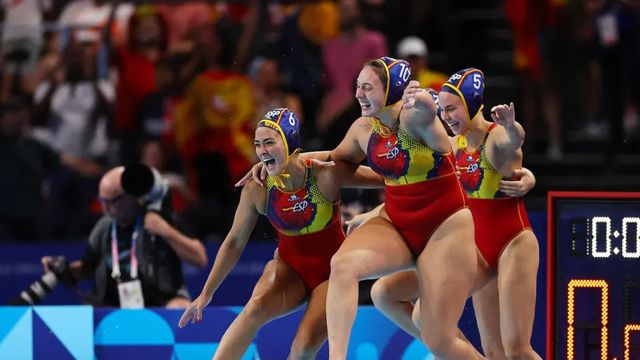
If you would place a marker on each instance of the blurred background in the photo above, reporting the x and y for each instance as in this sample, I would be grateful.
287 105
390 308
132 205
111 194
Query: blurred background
179 85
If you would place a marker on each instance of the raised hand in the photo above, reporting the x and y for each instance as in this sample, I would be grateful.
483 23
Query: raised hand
409 97
503 115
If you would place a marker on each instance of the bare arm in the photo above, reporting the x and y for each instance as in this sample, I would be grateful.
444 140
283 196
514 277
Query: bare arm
513 138
246 38
350 148
351 176
418 117
83 166
523 182
187 248
236 240
418 106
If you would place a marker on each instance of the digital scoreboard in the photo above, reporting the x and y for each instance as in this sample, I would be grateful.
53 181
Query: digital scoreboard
593 279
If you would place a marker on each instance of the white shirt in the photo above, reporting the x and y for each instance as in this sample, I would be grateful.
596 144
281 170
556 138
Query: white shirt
85 13
23 18
70 131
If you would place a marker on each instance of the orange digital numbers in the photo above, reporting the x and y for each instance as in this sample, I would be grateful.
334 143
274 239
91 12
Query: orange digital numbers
604 311
627 346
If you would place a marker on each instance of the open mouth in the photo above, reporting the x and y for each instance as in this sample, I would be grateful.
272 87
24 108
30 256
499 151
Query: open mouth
453 126
269 162
365 106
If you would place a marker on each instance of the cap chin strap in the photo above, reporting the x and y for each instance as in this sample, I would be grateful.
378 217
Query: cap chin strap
278 180
462 139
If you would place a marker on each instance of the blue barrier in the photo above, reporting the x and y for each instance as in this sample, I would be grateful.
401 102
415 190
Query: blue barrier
20 266
81 332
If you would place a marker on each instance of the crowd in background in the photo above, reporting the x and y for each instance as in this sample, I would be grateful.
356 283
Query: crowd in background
90 84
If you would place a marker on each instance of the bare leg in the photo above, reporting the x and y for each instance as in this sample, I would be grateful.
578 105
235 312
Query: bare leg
312 331
446 271
487 310
278 292
374 250
393 295
517 270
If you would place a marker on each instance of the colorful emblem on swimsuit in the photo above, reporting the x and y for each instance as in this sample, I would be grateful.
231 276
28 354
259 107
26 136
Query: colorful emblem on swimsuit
471 174
388 159
291 211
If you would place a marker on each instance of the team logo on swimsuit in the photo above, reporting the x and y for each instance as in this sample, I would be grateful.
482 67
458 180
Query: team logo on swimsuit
291 211
471 174
386 157
438 168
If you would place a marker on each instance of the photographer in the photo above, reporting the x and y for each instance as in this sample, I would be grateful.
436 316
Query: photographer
148 271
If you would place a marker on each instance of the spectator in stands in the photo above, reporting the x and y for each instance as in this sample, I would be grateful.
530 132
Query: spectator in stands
527 19
269 93
24 164
88 17
136 64
156 117
148 271
213 128
181 17
75 106
415 51
343 58
21 43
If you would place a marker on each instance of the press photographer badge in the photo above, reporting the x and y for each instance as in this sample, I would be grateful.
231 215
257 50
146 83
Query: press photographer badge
129 292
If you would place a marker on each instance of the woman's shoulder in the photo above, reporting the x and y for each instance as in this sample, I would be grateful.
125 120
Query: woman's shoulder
363 123
253 190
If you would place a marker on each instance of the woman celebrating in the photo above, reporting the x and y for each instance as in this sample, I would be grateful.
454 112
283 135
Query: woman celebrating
487 153
424 222
302 202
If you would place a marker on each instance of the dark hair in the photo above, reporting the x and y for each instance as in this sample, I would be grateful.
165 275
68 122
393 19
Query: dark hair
378 68
134 23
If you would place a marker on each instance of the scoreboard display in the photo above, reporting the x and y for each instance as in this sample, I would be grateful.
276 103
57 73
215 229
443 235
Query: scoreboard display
593 279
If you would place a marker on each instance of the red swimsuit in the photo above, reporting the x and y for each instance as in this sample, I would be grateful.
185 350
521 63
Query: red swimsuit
497 218
309 228
421 187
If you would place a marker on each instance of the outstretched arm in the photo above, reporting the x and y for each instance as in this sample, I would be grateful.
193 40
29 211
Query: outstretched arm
357 176
504 115
229 252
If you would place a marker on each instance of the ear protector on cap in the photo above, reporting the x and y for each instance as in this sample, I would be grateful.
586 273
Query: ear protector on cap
398 77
